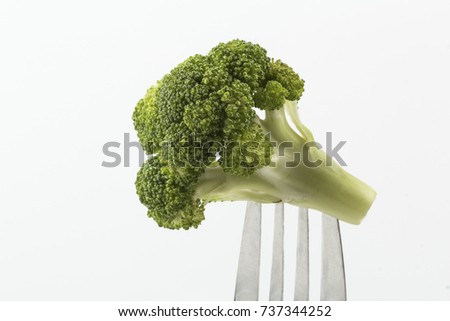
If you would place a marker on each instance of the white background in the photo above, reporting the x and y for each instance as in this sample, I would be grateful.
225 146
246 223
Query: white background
377 75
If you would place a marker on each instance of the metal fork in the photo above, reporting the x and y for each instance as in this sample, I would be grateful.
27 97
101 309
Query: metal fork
333 286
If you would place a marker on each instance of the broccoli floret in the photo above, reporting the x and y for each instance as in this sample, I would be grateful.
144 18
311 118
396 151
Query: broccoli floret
207 143
168 193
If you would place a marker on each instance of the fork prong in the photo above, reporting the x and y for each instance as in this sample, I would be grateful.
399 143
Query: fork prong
332 285
301 290
277 274
247 281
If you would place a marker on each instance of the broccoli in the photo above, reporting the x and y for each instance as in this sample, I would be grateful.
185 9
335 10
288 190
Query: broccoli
206 143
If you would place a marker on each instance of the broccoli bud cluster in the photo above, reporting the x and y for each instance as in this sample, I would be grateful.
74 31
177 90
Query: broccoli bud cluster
201 115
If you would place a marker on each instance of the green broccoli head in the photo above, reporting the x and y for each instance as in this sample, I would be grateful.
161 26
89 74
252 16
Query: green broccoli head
200 119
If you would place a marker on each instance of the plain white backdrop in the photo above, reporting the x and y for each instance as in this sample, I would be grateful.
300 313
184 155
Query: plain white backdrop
377 75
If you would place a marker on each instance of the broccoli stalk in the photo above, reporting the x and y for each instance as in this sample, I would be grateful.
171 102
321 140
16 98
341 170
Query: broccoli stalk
323 185
208 144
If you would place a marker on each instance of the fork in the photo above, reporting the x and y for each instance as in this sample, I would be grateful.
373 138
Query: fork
333 287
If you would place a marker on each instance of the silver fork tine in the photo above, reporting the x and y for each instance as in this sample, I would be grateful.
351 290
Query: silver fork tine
277 275
247 281
332 287
301 290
